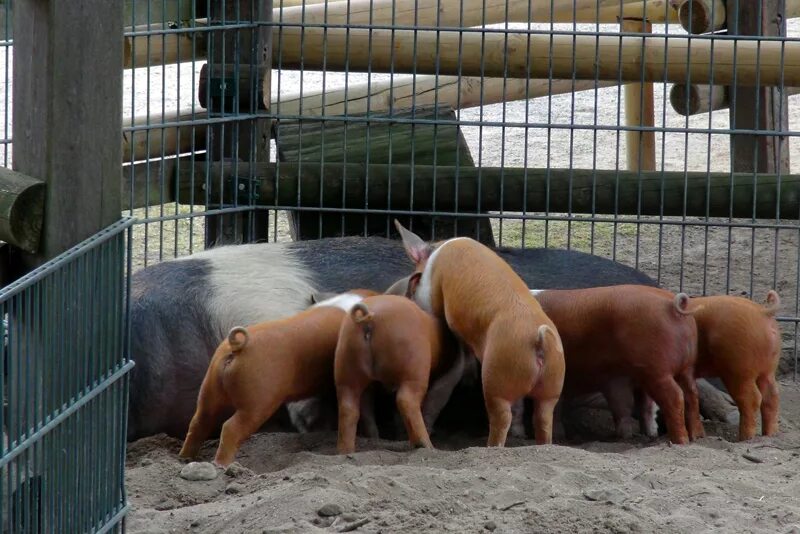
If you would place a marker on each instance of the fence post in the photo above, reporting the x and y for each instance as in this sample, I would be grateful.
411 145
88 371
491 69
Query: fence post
230 53
758 108
67 113
67 103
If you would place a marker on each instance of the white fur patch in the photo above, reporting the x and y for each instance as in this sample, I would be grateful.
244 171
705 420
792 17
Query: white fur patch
423 294
254 283
344 302
651 425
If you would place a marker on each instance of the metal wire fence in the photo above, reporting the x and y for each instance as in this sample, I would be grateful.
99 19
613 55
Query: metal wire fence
526 124
64 388
574 130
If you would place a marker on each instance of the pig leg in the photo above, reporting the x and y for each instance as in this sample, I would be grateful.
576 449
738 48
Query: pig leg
619 395
349 412
203 423
769 404
499 411
692 405
409 403
669 396
238 428
543 420
748 398
442 388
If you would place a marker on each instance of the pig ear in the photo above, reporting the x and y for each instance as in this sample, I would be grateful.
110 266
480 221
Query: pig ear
416 247
398 288
413 282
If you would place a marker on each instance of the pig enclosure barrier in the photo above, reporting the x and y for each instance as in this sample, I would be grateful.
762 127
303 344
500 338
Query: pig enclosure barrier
520 123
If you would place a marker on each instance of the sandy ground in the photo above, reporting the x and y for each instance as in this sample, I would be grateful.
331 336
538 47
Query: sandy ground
283 480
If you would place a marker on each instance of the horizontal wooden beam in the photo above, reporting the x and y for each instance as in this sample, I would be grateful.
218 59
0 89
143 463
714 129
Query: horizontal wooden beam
696 99
582 191
473 13
167 48
163 48
21 210
158 141
404 92
519 55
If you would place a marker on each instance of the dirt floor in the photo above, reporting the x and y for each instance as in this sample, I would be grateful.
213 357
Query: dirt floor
287 482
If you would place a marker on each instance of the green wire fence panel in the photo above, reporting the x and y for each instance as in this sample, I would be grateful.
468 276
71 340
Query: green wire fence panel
64 388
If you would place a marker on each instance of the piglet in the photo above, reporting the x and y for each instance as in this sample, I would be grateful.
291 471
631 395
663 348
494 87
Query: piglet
391 340
739 341
489 308
617 334
258 368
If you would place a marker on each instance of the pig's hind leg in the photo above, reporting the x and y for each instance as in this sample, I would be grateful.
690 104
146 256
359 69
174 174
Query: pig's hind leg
769 404
410 396
669 397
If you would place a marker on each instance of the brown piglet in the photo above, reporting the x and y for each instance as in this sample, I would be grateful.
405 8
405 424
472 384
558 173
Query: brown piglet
739 342
490 310
390 340
616 334
258 368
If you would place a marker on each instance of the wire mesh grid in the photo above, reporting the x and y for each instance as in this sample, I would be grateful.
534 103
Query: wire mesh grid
64 389
523 118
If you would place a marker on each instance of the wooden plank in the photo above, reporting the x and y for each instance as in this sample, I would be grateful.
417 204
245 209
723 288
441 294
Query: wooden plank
519 55
67 146
391 143
697 99
21 209
758 108
518 189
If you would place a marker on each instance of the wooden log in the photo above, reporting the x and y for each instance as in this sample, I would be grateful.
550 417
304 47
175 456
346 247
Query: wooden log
405 92
694 99
164 48
763 108
468 13
377 97
21 210
702 16
705 16
704 98
639 111
160 141
518 189
518 55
